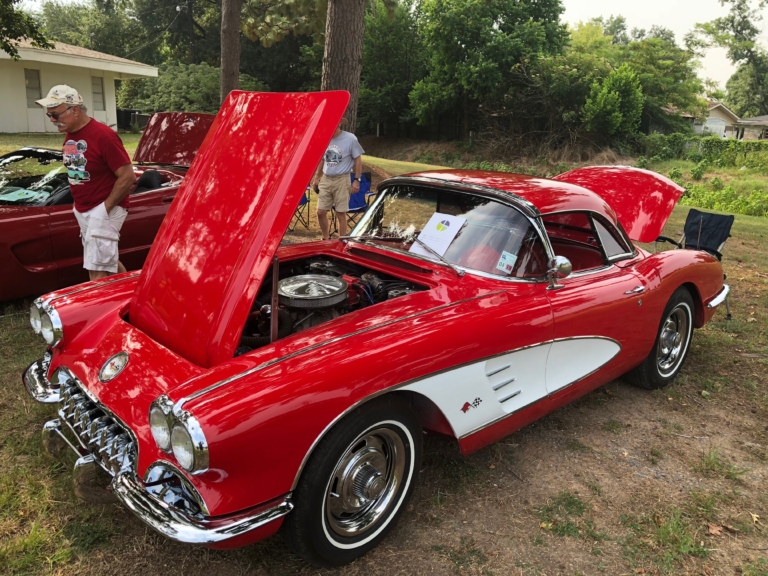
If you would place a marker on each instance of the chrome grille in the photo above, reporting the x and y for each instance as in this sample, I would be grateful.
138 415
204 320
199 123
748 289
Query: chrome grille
98 431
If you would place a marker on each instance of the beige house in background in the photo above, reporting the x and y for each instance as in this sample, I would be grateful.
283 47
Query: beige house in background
720 122
753 128
91 73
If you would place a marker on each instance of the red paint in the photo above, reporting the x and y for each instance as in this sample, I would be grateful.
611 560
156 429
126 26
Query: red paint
181 318
643 200
40 246
231 212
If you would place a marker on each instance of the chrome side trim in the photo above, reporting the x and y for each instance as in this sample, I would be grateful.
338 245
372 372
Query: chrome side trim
406 383
183 528
180 403
720 297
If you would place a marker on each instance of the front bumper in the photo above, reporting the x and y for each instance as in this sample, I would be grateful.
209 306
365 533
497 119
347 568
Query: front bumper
98 438
720 297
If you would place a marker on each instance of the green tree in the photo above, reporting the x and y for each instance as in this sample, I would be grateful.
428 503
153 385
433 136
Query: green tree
17 25
739 33
669 79
474 49
393 61
615 105
179 87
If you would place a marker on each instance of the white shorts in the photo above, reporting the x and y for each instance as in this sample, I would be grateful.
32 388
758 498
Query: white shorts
100 233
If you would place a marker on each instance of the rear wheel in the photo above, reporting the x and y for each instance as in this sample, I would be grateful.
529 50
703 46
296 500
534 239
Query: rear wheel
356 483
671 347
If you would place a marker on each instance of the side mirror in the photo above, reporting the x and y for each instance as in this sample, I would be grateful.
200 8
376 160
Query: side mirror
559 267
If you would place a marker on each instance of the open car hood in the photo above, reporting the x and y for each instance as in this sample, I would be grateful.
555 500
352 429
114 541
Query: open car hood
643 200
217 241
172 138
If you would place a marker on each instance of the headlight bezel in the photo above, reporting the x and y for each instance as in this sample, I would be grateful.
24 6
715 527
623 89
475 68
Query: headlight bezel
51 327
191 427
162 407
35 318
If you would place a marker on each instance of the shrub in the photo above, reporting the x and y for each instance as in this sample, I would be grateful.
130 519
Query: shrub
642 162
716 184
676 174
697 172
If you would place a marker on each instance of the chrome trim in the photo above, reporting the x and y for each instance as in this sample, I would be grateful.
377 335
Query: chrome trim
178 407
53 429
510 396
403 384
88 286
35 379
635 290
56 325
617 226
503 383
199 443
181 527
166 406
580 273
720 297
494 372
159 490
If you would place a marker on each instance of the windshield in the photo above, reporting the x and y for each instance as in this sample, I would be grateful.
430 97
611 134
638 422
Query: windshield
29 177
464 229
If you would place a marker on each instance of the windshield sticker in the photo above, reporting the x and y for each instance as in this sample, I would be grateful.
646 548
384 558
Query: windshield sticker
438 234
506 262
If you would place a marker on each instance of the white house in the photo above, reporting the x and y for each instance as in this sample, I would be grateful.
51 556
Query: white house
720 121
91 73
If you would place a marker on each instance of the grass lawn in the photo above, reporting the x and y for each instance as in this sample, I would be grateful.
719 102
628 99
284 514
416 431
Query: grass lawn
623 481
11 142
396 167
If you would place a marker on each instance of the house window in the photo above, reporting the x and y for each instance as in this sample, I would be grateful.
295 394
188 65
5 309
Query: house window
97 85
32 80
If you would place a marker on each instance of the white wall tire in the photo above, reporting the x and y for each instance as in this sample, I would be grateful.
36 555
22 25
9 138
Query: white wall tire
356 483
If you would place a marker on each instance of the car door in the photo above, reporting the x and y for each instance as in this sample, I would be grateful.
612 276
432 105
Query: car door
27 266
67 245
597 311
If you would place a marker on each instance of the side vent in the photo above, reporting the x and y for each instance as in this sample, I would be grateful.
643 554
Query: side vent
501 377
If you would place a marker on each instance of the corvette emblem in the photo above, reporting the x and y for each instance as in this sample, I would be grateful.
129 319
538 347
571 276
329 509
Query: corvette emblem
468 406
113 366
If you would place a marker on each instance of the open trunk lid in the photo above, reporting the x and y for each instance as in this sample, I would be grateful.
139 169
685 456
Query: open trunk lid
172 138
219 237
643 200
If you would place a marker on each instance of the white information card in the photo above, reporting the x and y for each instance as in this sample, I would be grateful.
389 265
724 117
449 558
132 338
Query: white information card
438 234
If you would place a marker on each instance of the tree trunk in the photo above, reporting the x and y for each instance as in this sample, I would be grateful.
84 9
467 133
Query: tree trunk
343 57
230 46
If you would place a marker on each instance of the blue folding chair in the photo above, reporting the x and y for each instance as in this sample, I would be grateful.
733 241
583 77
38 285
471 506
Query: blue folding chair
358 203
301 215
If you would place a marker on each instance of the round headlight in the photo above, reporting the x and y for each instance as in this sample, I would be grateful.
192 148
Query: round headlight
46 327
183 447
158 424
34 318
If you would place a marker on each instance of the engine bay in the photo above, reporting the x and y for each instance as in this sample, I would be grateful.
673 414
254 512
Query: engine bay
313 291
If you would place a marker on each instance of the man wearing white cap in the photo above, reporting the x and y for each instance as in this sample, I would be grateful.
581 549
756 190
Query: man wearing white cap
100 176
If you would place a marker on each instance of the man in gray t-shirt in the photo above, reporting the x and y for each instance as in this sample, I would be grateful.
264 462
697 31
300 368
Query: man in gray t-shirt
344 155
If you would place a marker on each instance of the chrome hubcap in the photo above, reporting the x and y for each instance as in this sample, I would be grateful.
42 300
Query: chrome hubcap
363 486
672 343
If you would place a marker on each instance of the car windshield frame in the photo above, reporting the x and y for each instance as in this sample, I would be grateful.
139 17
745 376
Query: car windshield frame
359 232
56 175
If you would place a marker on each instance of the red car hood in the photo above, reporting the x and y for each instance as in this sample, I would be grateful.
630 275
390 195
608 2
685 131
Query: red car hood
218 239
643 200
172 138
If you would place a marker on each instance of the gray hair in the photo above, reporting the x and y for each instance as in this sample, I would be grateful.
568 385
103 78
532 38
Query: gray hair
83 108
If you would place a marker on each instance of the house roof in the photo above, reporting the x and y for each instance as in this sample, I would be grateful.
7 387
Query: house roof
673 110
712 104
69 55
756 121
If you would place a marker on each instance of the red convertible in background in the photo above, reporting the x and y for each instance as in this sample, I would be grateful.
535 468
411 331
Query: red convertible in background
235 387
40 247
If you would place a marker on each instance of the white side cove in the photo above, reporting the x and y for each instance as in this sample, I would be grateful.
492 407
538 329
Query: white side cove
478 394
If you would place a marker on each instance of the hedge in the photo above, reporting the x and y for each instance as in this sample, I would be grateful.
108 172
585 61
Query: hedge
715 150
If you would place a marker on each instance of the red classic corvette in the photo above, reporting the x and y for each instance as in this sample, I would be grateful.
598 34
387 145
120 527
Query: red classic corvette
40 247
235 386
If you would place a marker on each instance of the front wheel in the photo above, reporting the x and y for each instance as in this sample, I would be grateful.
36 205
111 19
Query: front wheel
356 483
671 347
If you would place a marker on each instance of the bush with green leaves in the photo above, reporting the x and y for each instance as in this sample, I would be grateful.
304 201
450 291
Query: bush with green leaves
676 174
615 105
697 172
726 199
179 88
642 162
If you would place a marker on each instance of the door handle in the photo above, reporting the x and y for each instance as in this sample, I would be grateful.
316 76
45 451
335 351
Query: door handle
168 199
635 290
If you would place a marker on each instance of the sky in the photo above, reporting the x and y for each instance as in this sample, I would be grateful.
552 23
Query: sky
678 15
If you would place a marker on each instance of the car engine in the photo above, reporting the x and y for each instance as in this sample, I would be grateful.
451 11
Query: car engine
315 291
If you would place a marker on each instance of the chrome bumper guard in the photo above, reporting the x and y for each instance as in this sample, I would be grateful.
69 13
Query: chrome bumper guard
183 528
35 379
721 297
100 438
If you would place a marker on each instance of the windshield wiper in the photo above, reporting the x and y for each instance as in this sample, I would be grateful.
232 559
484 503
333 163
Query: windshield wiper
366 239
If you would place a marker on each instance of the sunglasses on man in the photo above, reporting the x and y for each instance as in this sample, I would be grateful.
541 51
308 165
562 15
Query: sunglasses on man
55 115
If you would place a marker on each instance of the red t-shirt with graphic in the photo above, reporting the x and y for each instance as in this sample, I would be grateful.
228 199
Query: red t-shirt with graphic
91 156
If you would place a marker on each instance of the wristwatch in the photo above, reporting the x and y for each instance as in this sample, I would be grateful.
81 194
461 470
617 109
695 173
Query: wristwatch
356 178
